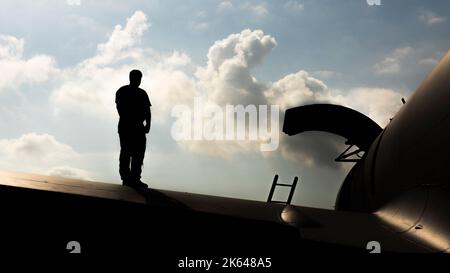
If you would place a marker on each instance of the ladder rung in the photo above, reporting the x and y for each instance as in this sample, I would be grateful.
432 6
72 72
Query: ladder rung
286 185
278 202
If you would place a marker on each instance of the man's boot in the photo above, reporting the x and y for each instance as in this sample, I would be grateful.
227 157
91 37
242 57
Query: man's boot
140 184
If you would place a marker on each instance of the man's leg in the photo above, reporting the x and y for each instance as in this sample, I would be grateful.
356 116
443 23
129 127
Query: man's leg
137 157
124 159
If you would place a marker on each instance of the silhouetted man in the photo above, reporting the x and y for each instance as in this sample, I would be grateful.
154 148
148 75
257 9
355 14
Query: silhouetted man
133 106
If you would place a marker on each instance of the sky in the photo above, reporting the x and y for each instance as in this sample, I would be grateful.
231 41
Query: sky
61 63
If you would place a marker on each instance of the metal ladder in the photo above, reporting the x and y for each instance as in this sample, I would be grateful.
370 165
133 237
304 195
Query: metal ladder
291 193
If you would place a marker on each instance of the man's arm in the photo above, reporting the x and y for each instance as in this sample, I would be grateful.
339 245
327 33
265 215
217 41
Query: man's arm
148 114
148 119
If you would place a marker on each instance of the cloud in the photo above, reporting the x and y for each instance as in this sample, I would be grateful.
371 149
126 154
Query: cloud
257 9
313 149
90 86
310 148
122 38
16 70
73 2
429 18
221 149
224 5
297 89
392 63
35 149
40 153
428 62
69 172
294 6
11 47
226 78
380 104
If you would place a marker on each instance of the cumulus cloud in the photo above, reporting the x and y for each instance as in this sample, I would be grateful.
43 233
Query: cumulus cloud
297 89
380 104
40 153
90 86
69 172
392 64
227 78
35 148
17 70
11 47
311 148
430 18
122 38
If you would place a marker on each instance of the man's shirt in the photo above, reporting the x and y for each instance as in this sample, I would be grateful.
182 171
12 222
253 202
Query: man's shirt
133 105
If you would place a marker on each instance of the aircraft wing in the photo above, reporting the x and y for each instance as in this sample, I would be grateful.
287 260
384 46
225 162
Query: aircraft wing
80 208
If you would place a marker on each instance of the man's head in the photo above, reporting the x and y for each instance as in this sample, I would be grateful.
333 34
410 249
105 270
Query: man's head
135 78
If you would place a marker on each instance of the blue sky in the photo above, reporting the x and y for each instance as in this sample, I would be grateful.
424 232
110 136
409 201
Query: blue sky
62 62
